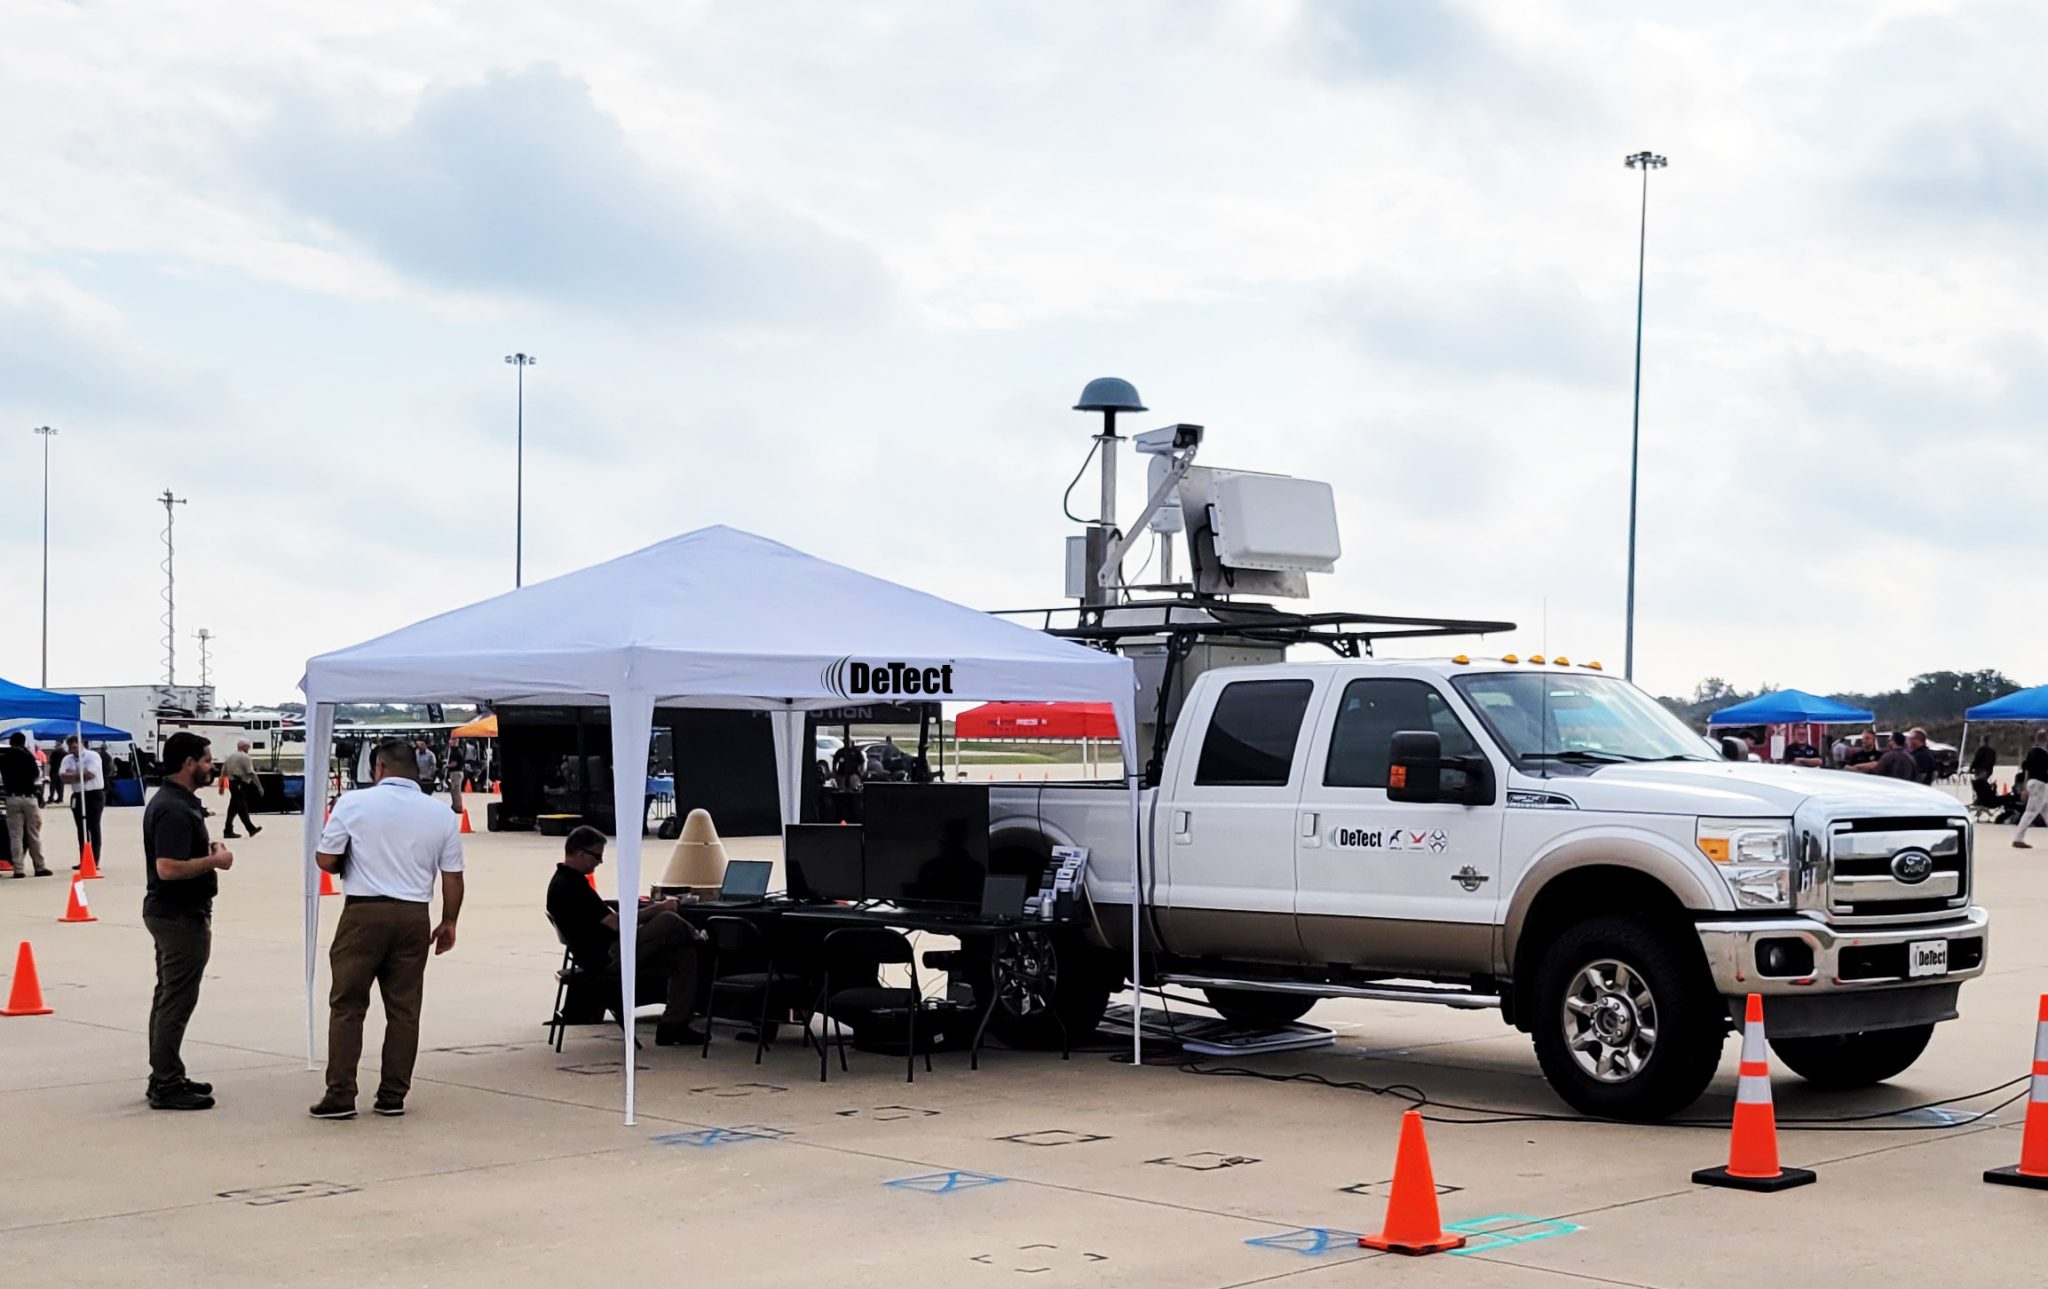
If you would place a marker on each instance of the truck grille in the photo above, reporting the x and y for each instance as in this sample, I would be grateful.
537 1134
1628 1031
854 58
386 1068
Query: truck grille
1869 879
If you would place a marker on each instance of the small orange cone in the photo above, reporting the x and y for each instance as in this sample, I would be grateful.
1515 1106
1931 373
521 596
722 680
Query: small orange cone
78 909
497 788
1753 1146
2032 1170
26 998
465 820
1413 1226
88 870
327 886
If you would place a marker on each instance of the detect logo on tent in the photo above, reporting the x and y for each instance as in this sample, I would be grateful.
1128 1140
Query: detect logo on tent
851 678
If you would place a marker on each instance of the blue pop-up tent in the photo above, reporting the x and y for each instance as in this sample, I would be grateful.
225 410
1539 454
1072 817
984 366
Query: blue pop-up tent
19 702
1790 707
51 727
2021 705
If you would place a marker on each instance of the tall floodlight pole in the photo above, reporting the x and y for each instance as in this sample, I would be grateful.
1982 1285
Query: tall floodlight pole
47 434
1645 162
170 588
520 362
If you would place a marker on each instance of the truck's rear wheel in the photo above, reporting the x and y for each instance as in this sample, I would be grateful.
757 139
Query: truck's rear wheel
1626 1025
1853 1060
1050 984
1258 1007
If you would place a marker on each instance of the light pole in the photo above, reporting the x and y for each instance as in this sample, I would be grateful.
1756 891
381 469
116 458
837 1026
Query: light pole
47 433
170 567
521 362
1645 162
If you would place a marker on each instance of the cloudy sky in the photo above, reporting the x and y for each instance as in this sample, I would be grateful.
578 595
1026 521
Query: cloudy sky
834 272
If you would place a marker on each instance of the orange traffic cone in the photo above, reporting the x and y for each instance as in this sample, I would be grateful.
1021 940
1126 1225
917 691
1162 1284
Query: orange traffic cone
1413 1226
88 870
78 909
465 820
327 886
26 998
1753 1147
497 788
2032 1170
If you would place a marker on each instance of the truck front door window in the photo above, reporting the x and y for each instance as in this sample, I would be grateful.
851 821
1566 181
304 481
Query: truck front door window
1371 713
1252 732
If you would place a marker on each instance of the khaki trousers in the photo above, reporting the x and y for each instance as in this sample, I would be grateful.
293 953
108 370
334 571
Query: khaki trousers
385 942
25 829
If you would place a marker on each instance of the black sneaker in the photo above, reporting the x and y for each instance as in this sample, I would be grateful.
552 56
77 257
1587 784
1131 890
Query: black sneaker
179 1098
253 830
231 836
333 1108
194 1085
389 1107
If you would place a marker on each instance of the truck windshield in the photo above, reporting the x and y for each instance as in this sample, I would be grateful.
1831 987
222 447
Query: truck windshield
1573 723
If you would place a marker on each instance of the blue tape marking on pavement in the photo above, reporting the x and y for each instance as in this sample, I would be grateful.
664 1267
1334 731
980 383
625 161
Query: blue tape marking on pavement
1309 1241
944 1183
1500 1230
702 1137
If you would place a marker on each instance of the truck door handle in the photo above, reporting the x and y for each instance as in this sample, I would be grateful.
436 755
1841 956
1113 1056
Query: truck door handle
1181 824
1309 822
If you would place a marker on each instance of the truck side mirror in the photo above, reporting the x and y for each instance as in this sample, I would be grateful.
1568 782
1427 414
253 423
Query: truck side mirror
1415 767
1733 749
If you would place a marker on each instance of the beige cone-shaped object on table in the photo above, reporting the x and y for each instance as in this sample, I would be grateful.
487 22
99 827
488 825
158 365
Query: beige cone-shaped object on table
698 861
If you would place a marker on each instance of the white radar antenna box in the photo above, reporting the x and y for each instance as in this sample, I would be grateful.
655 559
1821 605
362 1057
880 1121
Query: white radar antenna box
1259 534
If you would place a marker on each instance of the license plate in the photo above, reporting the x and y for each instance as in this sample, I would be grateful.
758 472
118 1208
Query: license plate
1927 958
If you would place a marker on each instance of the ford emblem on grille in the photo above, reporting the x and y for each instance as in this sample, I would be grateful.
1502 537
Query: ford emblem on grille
1912 866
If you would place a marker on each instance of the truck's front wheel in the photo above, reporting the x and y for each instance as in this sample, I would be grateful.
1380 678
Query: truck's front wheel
1054 988
1853 1060
1626 1025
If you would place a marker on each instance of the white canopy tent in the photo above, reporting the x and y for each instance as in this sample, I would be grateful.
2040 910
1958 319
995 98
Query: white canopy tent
713 618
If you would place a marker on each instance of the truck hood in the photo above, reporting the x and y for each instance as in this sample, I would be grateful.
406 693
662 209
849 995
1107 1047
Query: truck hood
1740 789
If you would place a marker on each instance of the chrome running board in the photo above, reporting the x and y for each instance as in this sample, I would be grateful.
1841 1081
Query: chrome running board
1386 992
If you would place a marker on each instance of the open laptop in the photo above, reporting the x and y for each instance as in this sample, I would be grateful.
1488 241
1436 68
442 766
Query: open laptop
746 881
1002 897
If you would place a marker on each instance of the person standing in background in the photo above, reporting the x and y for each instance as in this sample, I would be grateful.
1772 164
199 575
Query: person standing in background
455 773
2035 768
24 806
1924 768
1985 761
46 783
83 769
429 764
243 788
387 842
183 871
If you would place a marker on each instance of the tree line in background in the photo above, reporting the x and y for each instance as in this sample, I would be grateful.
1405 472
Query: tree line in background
1935 701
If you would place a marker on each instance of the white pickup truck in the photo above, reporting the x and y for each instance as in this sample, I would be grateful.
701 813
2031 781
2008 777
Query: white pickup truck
1536 837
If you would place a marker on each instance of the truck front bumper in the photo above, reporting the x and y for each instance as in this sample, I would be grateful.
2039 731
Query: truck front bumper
1857 978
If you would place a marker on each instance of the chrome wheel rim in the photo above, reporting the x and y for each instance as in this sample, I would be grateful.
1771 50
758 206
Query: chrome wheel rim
1610 1021
1029 972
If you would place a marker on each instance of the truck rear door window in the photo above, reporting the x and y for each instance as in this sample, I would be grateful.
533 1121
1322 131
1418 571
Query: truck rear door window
1252 733
1371 713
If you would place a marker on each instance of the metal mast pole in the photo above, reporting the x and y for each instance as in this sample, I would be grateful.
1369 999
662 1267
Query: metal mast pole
520 362
47 434
205 657
1646 162
170 587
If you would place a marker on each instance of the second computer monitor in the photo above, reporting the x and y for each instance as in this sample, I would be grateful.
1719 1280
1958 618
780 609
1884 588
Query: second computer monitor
823 861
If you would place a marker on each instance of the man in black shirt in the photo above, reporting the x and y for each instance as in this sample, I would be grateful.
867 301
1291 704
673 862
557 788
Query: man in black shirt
182 868
591 930
1985 761
18 775
1924 768
1864 754
2035 768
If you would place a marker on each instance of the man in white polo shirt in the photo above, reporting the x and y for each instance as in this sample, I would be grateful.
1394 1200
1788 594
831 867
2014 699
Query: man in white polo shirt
387 842
85 771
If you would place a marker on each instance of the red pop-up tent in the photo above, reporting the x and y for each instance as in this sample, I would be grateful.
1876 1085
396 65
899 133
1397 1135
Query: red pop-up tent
1036 720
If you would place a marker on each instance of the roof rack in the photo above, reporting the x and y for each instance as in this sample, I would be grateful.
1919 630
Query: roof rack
1349 635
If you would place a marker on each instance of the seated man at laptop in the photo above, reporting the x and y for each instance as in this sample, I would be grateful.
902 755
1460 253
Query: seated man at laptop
667 943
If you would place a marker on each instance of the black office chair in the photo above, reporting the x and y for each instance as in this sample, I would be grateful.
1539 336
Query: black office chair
574 979
730 937
862 951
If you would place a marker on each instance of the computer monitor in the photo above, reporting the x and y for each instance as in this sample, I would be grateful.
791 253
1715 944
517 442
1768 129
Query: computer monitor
823 861
926 843
745 880
1002 897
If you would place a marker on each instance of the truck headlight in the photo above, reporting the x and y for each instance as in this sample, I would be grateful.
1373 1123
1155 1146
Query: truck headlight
1754 856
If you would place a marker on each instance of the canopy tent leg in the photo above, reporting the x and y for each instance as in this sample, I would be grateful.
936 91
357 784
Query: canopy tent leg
632 731
1132 782
792 755
319 750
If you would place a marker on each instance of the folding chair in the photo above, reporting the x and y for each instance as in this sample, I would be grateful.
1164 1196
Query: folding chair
739 937
861 951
